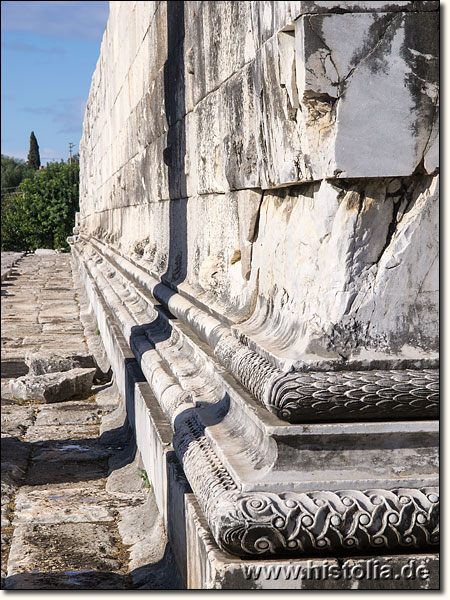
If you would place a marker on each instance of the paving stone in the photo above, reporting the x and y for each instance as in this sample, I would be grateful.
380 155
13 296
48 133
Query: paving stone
16 419
57 548
75 450
14 450
67 474
10 343
69 413
24 317
45 361
61 523
72 579
61 432
55 327
69 340
73 505
50 317
58 312
13 368
10 329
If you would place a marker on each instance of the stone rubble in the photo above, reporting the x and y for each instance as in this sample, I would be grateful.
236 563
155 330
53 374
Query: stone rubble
9 259
63 526
41 362
53 387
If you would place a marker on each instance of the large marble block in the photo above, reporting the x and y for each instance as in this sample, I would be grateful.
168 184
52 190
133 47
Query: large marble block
369 100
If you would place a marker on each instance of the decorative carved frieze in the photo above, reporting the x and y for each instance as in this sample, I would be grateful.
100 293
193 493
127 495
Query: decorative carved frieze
325 522
296 524
358 395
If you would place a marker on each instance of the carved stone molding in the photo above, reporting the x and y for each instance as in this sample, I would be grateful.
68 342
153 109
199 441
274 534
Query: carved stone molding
332 395
272 522
269 524
360 395
296 397
252 370
324 522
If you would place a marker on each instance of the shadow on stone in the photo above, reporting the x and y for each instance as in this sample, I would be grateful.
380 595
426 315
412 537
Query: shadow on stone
174 154
161 575
70 580
11 369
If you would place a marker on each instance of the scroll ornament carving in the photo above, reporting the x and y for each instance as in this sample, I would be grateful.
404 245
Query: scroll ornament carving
268 524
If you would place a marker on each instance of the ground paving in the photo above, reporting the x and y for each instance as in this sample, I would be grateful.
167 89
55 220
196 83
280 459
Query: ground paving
62 524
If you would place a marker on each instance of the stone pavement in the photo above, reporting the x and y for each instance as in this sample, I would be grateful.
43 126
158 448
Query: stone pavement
76 510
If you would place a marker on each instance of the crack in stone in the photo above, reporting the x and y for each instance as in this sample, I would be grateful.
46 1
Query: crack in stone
393 226
434 119
343 82
330 52
419 291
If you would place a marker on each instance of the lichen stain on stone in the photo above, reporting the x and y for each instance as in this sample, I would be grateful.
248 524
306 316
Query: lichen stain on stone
236 257
352 201
378 45
420 51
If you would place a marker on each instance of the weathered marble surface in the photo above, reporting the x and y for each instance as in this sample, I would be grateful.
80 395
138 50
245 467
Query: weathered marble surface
235 454
186 136
40 361
8 260
258 229
53 387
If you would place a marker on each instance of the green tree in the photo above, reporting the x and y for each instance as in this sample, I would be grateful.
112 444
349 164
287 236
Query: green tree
42 214
14 171
34 159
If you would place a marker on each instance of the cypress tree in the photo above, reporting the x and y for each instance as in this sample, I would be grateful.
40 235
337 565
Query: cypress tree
33 159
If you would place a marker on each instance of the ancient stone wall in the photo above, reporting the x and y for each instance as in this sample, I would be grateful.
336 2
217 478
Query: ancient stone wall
258 240
277 161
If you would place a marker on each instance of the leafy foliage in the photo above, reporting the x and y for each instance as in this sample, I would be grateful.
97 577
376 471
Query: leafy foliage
13 172
42 214
34 159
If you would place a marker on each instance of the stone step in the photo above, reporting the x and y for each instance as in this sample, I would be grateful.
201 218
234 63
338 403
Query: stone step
295 397
258 478
62 522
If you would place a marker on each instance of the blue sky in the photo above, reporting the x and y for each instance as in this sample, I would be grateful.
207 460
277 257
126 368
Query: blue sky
49 53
